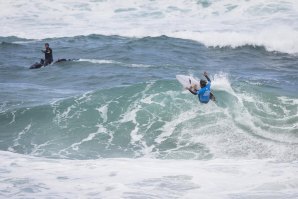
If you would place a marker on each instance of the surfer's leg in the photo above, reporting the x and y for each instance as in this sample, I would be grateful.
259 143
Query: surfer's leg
46 62
212 97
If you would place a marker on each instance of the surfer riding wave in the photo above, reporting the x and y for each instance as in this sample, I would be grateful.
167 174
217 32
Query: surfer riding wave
204 94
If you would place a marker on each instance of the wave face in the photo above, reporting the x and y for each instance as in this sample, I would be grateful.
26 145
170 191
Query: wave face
155 120
268 23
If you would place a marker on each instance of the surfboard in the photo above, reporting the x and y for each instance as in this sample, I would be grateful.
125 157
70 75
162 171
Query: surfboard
187 81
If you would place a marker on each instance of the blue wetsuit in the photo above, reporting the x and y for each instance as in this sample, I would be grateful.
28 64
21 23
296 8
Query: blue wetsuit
204 93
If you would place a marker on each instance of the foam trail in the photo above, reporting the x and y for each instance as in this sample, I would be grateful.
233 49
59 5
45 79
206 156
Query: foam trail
99 61
19 137
103 61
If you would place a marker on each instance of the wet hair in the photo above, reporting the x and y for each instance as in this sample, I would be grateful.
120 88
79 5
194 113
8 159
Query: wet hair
47 44
203 83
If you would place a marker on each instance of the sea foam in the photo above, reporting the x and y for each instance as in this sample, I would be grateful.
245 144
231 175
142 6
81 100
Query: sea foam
143 178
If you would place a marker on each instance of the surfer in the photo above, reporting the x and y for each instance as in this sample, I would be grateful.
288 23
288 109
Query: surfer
204 94
48 58
48 54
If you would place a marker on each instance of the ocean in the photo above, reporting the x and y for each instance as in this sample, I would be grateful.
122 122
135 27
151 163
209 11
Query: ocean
115 123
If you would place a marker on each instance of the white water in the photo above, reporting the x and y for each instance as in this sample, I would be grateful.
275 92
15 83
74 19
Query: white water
98 61
145 178
269 23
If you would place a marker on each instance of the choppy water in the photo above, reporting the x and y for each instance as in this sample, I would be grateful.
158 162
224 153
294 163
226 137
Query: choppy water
116 123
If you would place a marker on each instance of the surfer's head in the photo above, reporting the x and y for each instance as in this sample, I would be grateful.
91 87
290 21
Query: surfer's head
203 83
46 45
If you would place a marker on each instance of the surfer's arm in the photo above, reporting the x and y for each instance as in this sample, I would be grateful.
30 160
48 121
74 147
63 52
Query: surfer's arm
46 51
193 92
206 75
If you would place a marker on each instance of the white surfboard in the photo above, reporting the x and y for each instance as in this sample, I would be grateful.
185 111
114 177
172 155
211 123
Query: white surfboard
187 81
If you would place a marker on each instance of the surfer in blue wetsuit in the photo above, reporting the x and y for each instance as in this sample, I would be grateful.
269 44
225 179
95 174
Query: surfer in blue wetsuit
204 94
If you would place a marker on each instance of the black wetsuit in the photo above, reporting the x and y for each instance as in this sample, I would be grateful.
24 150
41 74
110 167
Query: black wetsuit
48 56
